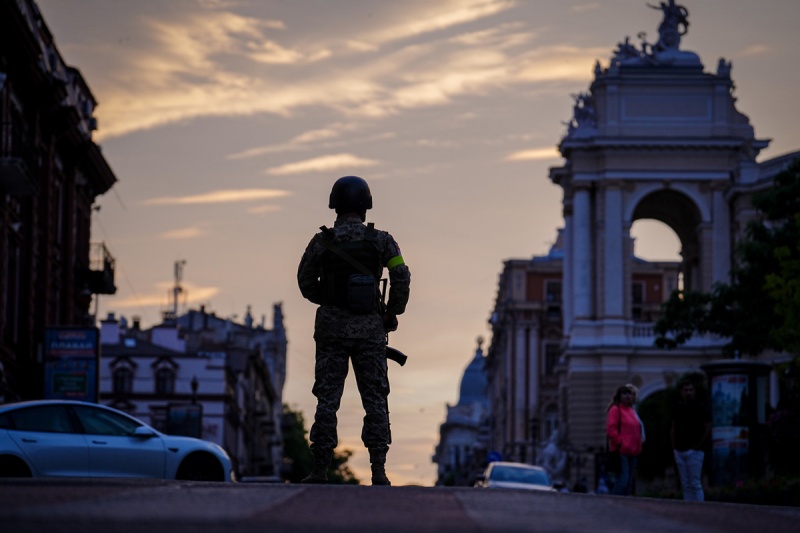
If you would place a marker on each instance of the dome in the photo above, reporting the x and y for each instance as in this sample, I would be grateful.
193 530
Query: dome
474 382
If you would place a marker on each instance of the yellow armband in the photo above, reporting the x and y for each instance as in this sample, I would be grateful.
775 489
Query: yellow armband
395 261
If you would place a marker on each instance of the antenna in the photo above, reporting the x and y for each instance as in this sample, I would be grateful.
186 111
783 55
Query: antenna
177 290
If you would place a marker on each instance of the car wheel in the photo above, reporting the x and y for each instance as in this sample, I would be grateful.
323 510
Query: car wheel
200 467
11 466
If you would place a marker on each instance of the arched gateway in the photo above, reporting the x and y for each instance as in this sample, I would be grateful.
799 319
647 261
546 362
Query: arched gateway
655 137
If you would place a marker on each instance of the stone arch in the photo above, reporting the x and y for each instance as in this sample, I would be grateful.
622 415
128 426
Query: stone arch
651 388
641 191
685 216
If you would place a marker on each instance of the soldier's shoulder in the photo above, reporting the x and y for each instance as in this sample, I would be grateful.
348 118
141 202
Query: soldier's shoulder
384 237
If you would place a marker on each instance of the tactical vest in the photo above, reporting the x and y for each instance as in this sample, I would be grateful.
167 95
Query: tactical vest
345 285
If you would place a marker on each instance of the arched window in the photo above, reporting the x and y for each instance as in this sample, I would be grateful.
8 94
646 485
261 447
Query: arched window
123 381
165 381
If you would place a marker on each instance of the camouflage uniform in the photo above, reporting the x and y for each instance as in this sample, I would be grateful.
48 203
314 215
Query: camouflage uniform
342 336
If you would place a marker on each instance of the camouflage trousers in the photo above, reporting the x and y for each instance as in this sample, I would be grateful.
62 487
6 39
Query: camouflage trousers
369 365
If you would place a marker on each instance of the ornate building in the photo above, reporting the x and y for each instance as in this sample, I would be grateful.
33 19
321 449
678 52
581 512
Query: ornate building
51 171
655 137
205 376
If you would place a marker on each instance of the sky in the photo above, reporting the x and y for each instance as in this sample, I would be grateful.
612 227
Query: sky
227 121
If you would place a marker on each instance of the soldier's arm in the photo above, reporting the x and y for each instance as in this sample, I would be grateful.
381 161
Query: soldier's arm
399 278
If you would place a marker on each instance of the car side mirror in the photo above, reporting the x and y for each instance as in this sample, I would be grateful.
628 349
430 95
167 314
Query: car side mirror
144 432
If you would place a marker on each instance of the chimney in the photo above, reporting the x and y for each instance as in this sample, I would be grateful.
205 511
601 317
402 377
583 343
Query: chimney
109 330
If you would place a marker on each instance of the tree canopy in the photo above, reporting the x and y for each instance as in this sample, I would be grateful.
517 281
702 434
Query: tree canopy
760 308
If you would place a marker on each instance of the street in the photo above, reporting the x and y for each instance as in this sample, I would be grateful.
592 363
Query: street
153 506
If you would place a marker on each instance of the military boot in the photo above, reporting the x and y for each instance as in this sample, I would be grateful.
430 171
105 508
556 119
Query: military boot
322 460
377 458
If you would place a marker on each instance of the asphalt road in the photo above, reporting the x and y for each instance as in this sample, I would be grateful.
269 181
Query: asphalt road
145 506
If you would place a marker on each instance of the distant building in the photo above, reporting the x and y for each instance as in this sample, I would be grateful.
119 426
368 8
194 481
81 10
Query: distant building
51 172
525 366
204 376
464 438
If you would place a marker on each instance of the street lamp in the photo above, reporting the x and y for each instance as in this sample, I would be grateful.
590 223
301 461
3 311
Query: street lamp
194 390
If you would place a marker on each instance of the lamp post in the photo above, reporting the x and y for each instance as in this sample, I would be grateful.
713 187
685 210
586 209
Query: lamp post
194 390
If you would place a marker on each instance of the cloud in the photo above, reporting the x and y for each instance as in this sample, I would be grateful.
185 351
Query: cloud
192 293
755 50
585 7
441 15
559 63
535 154
183 233
263 209
323 163
220 197
224 64
296 142
270 52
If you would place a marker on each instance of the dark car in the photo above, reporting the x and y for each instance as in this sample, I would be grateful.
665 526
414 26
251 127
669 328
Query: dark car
506 475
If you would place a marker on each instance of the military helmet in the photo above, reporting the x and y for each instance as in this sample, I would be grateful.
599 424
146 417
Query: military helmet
350 193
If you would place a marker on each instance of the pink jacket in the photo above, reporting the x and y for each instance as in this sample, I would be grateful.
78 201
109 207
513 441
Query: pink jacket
624 435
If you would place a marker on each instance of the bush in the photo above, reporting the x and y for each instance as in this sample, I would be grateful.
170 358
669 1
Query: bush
776 491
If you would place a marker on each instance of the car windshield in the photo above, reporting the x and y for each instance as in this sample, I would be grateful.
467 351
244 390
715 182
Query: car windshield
519 475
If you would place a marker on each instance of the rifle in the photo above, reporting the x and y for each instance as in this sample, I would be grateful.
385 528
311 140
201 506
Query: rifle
391 353
394 354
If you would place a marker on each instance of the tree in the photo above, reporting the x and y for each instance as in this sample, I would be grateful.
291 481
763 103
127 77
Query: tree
297 457
760 308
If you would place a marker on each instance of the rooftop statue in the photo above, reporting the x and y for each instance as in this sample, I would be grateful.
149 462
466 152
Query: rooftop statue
665 51
584 117
674 25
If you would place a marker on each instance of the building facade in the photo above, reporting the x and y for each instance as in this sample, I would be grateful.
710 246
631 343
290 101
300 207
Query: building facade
51 172
204 376
526 365
655 137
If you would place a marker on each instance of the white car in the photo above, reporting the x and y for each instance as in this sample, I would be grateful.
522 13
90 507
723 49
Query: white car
62 438
505 475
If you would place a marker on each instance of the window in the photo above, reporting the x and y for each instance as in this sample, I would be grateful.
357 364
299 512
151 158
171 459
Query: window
552 351
552 296
102 422
165 381
637 299
123 381
49 418
13 267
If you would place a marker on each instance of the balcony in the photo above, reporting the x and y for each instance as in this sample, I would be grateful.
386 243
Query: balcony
101 270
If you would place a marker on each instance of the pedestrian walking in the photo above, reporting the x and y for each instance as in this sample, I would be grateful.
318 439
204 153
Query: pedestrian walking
625 433
689 432
341 271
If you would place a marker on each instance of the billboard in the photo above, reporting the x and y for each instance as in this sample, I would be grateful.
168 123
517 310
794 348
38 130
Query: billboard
71 363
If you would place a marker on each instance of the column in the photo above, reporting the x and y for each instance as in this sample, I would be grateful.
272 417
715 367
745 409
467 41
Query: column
567 310
721 239
613 254
582 254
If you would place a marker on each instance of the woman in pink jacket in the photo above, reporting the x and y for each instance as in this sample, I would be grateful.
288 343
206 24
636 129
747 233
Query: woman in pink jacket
624 430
